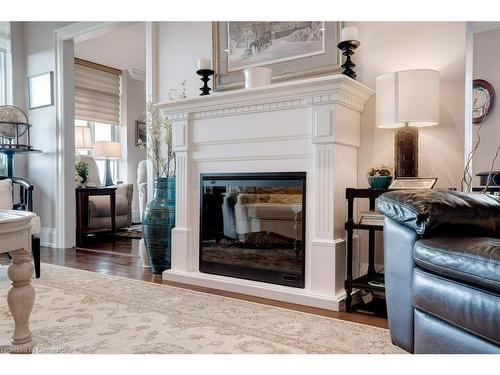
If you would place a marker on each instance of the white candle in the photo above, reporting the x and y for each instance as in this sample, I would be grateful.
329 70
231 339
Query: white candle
204 63
349 33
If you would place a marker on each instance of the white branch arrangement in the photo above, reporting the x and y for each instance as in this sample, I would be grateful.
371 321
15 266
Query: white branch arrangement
159 136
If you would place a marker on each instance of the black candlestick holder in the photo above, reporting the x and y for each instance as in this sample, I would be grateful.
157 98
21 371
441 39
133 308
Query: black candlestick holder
347 47
205 77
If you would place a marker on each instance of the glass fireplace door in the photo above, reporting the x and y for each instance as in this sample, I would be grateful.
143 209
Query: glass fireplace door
252 226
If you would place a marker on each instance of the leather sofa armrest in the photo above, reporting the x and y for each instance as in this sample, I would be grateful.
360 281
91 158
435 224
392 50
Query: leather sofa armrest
399 241
434 212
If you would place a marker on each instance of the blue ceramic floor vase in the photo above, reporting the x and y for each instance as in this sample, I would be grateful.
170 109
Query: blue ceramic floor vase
158 222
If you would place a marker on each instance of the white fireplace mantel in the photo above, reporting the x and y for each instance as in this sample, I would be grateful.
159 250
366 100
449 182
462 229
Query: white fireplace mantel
309 125
313 91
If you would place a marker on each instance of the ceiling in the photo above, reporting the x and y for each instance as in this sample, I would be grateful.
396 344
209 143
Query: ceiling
123 48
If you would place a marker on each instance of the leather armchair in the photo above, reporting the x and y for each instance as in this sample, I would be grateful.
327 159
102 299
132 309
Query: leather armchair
442 270
99 206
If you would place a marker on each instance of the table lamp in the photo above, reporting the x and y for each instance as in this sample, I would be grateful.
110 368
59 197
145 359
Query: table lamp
109 151
83 138
406 101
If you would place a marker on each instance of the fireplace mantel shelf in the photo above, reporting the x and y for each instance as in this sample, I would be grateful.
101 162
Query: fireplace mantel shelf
321 90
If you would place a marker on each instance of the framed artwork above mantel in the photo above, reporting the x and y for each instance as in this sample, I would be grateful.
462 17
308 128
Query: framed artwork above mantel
293 50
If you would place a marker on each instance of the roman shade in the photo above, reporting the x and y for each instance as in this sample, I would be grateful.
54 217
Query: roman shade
97 93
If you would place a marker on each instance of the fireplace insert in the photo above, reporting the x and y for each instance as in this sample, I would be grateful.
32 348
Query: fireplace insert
252 226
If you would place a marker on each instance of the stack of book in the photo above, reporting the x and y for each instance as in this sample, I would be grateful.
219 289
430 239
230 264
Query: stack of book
371 218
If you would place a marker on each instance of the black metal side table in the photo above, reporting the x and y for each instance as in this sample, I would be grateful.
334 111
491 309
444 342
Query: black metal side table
361 282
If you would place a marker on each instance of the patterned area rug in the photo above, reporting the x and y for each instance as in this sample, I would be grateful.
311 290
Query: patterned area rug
85 312
133 231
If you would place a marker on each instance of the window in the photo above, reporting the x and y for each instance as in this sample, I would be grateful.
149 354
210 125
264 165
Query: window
106 132
97 106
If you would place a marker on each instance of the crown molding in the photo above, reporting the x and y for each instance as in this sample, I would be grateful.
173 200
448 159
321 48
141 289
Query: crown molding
481 27
137 74
315 91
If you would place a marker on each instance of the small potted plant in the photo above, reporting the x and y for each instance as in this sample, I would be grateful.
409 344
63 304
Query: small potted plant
81 173
379 177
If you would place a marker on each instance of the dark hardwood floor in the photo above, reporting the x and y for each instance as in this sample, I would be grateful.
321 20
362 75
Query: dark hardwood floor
121 258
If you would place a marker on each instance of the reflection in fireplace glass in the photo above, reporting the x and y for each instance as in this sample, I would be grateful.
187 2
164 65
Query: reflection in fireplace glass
252 226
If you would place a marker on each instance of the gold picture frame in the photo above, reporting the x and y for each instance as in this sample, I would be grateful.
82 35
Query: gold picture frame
298 68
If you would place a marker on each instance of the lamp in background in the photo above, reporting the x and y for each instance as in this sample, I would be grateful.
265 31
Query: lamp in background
407 100
83 138
109 151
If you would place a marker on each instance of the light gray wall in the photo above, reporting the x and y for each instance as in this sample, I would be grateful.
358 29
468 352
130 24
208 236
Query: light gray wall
39 58
486 66
393 46
180 46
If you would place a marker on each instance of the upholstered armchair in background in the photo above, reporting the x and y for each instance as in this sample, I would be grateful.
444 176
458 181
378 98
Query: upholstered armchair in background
99 206
142 185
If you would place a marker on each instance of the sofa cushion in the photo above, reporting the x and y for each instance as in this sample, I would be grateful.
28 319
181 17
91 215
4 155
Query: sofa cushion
99 206
464 306
474 260
271 211
6 202
433 212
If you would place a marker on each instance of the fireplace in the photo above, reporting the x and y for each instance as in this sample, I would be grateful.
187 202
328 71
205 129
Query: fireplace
310 125
252 226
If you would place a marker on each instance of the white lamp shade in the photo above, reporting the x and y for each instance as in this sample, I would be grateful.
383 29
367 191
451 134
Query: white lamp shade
83 138
409 97
107 150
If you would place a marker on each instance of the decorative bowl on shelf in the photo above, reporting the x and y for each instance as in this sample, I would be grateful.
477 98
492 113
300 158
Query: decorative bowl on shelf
257 76
379 182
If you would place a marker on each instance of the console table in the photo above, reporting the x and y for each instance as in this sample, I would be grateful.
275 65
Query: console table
15 238
82 210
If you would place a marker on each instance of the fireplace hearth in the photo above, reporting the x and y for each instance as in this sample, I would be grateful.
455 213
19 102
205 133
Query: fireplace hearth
253 226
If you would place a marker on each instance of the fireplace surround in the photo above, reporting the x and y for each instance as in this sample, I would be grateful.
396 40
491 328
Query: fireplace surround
310 125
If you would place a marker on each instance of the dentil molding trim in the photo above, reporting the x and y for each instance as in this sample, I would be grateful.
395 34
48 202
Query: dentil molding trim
314 91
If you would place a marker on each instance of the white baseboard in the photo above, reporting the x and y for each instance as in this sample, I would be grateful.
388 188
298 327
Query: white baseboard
259 289
48 237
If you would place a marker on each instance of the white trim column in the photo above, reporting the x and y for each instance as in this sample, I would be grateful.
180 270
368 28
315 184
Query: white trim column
151 86
182 235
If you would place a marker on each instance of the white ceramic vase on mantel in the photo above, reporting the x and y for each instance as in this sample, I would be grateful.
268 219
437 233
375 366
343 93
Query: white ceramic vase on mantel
257 76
